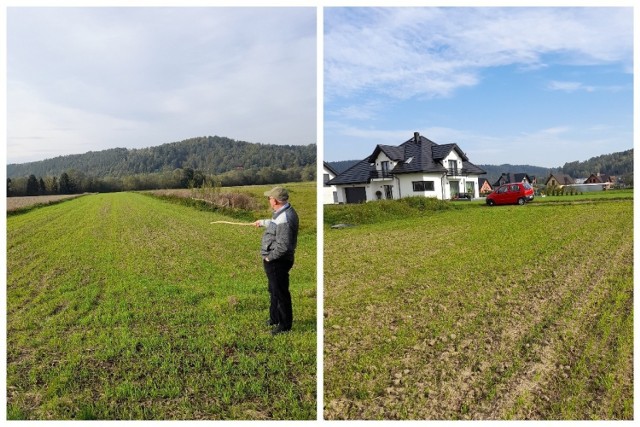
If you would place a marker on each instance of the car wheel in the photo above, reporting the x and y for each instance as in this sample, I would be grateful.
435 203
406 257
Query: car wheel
521 201
491 203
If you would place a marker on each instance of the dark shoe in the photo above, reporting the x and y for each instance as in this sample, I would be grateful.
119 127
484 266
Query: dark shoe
279 330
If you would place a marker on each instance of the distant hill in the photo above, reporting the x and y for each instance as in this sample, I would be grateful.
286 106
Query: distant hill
616 164
210 155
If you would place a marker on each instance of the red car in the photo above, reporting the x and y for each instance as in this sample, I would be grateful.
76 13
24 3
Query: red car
512 193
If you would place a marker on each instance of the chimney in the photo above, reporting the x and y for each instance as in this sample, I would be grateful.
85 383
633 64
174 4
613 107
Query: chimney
416 137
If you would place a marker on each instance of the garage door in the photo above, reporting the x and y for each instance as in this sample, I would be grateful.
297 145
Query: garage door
355 195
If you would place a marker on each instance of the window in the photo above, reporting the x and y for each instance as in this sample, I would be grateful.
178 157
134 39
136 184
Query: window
423 186
326 179
388 192
453 167
471 187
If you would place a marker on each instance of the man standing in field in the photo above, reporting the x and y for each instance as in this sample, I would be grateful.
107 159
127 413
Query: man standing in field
278 247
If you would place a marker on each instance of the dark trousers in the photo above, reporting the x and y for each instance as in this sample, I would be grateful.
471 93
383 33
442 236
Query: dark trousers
280 310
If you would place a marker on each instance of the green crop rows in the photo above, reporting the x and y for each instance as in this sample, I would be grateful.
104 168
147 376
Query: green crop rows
121 306
481 313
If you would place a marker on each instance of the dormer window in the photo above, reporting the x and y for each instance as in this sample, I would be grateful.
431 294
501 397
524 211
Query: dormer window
409 160
384 167
453 167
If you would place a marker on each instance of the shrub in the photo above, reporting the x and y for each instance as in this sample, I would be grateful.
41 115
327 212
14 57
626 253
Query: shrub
383 210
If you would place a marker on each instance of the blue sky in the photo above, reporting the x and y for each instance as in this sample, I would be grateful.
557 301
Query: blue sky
88 79
538 86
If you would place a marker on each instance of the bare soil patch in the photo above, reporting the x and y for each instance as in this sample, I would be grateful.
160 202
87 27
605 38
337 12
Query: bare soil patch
17 203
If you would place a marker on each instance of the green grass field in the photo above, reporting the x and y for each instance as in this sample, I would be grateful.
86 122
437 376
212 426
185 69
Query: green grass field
122 306
472 312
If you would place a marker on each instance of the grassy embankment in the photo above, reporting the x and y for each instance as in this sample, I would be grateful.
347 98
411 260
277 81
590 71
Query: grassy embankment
122 306
472 312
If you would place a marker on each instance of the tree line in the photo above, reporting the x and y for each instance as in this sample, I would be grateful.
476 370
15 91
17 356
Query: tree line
213 155
184 164
615 164
77 182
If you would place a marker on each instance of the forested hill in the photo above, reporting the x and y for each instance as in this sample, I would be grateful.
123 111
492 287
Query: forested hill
211 155
615 164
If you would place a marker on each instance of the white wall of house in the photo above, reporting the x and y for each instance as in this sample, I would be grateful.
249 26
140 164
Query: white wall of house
465 184
437 185
383 158
407 186
342 195
329 192
403 186
453 157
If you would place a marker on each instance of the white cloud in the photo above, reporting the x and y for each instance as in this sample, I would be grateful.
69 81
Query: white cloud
426 52
569 87
164 74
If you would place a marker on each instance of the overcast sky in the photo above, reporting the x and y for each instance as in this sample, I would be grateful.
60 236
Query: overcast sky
539 86
88 79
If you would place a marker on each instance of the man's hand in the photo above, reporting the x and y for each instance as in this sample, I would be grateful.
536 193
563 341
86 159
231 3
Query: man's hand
257 223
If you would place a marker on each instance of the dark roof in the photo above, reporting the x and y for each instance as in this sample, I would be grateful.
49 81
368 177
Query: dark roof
508 177
329 168
600 178
416 155
442 151
360 173
471 169
561 178
392 152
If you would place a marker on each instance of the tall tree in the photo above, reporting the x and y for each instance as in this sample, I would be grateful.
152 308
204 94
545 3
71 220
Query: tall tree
65 184
42 188
32 186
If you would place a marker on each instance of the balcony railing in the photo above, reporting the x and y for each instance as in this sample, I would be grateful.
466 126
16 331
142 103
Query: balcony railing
457 172
379 174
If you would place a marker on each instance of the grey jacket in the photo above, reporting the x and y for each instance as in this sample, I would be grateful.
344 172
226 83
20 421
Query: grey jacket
280 237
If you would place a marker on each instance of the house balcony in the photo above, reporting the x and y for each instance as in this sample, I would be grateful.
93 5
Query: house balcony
380 175
457 172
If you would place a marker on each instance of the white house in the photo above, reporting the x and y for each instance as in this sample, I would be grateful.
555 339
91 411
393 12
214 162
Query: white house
417 167
329 192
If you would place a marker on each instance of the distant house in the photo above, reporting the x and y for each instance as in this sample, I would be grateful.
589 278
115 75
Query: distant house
599 178
485 187
417 167
557 179
508 177
329 192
